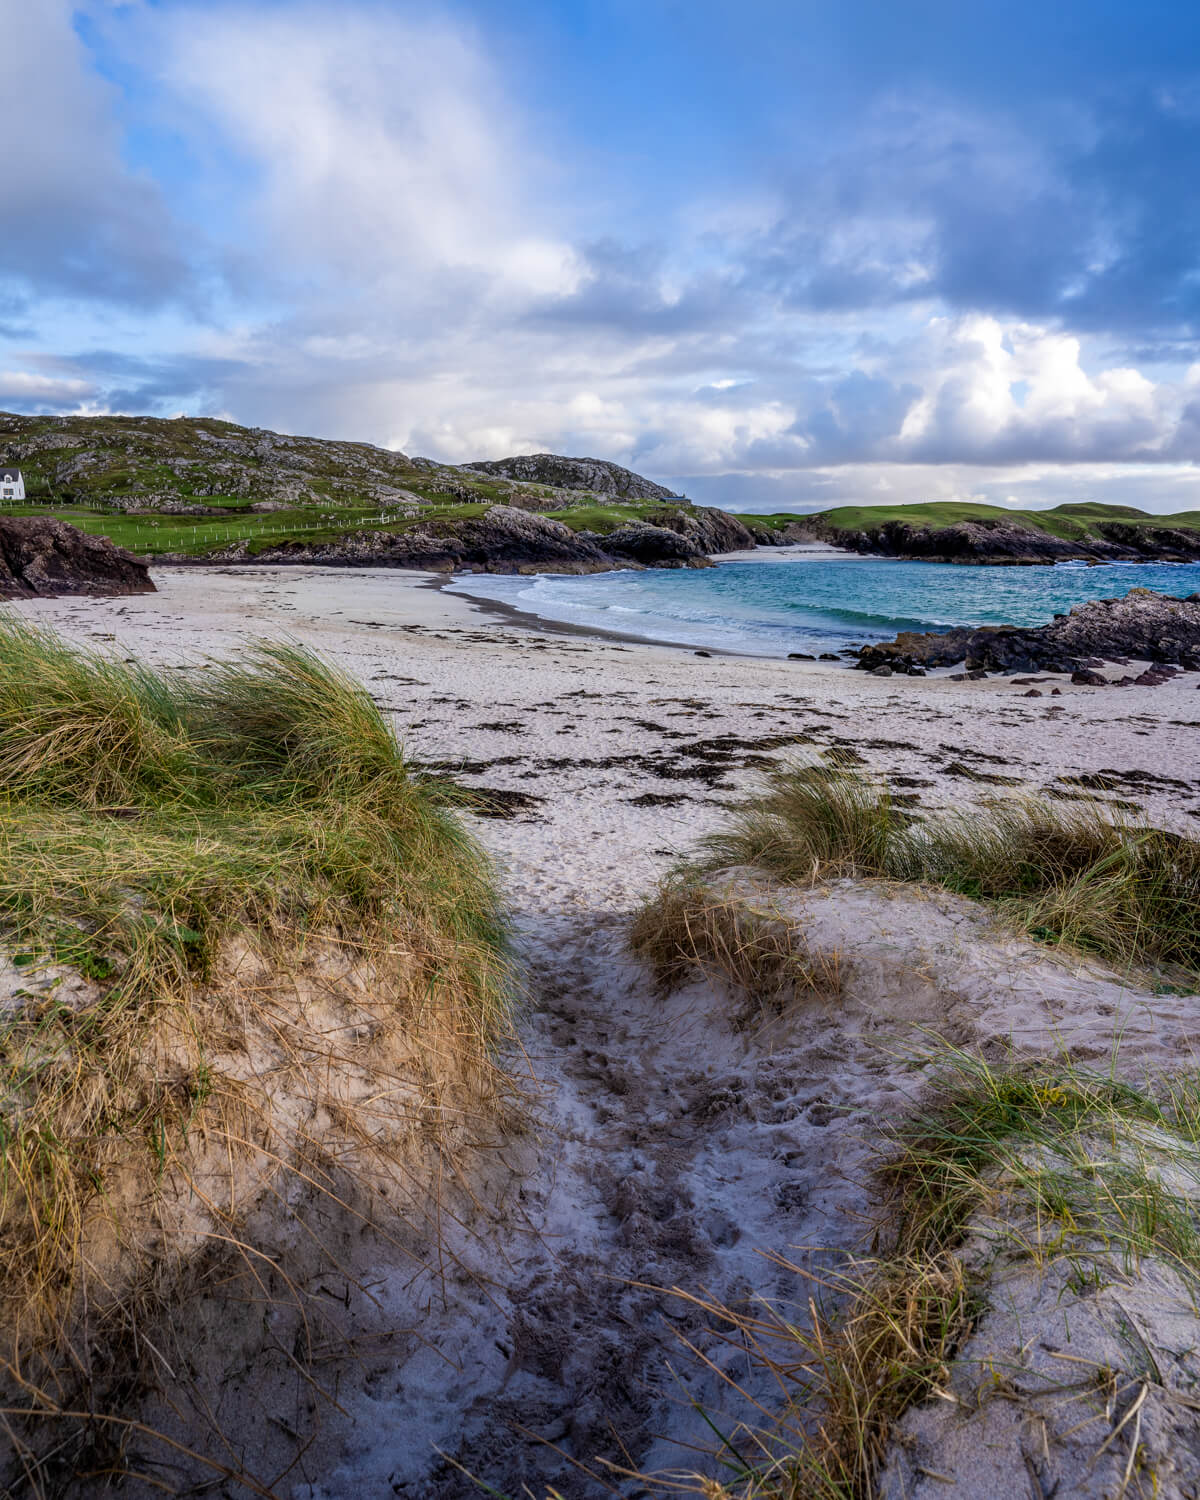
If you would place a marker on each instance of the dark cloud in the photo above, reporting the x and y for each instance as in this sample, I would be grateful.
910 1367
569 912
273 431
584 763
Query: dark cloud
77 221
1098 225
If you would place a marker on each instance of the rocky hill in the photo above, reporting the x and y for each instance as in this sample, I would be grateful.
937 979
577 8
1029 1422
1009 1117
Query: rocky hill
594 474
194 489
184 465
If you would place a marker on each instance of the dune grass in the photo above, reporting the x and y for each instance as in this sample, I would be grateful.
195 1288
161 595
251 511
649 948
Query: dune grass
1036 1163
1129 892
175 848
687 929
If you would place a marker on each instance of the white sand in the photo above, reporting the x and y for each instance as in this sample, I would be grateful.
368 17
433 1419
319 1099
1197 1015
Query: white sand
674 1145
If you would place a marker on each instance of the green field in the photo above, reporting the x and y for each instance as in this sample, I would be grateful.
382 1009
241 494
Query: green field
193 536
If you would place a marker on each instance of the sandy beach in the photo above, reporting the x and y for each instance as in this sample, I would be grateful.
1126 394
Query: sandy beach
630 750
669 1146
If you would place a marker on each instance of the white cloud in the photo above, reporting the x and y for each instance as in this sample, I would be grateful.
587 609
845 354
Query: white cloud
384 149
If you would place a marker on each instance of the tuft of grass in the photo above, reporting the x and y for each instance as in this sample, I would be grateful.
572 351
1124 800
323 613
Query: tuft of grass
812 822
1128 892
687 927
250 943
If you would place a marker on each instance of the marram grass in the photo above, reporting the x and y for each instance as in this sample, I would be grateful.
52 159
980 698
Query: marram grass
1126 891
274 925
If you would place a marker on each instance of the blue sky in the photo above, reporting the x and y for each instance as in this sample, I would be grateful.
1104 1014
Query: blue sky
779 254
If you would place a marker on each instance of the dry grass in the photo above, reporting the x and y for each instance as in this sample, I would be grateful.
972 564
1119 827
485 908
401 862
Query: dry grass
688 928
255 957
1128 892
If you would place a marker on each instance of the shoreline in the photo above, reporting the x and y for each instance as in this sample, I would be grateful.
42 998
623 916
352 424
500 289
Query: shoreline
513 614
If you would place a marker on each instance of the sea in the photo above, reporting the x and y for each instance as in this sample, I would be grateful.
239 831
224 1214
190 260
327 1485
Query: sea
789 599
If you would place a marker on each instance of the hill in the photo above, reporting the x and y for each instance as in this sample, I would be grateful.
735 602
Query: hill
963 532
594 474
202 488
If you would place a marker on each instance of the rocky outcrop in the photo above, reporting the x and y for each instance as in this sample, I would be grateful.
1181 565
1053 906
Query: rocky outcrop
1004 542
41 558
595 474
678 538
1142 625
505 539
502 540
708 530
652 546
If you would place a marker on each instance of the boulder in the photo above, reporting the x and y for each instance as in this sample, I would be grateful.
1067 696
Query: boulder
41 558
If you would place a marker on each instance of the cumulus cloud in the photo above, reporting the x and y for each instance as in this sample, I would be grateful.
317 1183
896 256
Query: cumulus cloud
1088 214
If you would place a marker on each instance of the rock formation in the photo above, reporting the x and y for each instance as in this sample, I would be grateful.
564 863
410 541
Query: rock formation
595 474
508 539
1006 542
41 557
1143 625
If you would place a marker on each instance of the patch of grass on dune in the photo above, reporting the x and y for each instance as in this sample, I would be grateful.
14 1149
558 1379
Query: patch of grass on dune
186 845
1043 1164
1126 891
687 929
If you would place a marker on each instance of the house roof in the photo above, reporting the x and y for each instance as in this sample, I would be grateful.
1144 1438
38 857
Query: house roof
9 476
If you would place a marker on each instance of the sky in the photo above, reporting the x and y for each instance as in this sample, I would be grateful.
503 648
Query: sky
780 254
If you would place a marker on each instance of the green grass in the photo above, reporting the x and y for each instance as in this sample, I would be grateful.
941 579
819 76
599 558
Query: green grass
1128 892
152 827
606 518
1069 522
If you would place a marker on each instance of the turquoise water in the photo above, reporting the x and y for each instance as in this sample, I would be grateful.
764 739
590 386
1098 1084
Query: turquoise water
796 601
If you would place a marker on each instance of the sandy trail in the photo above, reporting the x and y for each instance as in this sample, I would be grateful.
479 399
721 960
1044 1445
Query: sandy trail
674 1140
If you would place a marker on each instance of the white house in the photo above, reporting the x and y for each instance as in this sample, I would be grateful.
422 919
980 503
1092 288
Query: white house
12 484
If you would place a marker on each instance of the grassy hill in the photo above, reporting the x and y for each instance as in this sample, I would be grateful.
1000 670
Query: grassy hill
195 485
1080 522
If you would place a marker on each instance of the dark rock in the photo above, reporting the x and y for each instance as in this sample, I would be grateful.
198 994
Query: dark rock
1032 693
828 656
800 656
917 672
41 557
1143 625
881 672
654 546
1086 678
708 529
